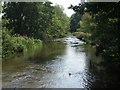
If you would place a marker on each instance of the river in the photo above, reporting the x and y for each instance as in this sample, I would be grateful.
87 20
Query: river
64 64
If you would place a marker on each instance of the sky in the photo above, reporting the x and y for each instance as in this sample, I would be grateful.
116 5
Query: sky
66 4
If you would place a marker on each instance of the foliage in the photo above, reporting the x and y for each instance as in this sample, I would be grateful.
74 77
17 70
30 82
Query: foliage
105 24
40 20
86 26
60 23
82 36
13 44
76 17
74 21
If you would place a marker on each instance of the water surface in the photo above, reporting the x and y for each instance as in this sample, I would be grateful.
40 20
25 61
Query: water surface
58 65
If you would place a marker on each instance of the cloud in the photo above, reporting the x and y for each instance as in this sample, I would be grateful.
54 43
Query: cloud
66 4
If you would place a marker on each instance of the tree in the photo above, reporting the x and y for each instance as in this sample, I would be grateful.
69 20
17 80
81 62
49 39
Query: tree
26 18
74 21
60 22
22 17
75 18
106 35
39 20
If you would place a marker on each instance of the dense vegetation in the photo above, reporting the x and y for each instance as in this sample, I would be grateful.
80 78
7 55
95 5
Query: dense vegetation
74 21
101 20
25 24
38 20
14 44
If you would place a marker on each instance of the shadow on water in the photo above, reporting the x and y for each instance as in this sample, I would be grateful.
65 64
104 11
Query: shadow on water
48 52
18 64
102 75
58 65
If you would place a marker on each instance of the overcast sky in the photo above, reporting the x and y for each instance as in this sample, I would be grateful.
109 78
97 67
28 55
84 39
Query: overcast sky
66 4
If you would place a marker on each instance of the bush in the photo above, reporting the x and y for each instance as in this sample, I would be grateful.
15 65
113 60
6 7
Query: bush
12 44
82 36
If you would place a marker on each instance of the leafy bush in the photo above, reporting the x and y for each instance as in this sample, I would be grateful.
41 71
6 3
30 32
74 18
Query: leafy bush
12 44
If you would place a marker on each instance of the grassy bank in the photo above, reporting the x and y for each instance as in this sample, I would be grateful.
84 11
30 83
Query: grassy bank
83 36
14 44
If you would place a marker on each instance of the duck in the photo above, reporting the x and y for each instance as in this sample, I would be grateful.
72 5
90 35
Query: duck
69 74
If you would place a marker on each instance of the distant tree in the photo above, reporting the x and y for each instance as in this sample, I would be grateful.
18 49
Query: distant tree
74 22
60 24
75 18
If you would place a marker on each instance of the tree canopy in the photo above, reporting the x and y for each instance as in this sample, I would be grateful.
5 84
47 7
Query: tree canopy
35 19
104 27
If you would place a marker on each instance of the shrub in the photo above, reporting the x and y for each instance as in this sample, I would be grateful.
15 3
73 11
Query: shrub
12 44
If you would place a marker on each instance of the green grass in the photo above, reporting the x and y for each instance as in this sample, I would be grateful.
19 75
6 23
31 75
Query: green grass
83 36
13 44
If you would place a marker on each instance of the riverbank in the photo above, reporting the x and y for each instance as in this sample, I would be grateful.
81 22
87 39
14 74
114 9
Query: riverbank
111 58
14 44
82 36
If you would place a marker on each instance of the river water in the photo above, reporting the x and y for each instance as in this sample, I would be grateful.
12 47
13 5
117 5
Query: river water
58 65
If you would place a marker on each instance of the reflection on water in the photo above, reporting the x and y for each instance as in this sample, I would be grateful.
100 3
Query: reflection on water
57 65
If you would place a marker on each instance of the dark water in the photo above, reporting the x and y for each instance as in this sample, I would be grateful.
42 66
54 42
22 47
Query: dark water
58 65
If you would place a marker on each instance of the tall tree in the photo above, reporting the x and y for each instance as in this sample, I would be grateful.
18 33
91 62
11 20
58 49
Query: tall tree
35 19
60 22
106 35
75 18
